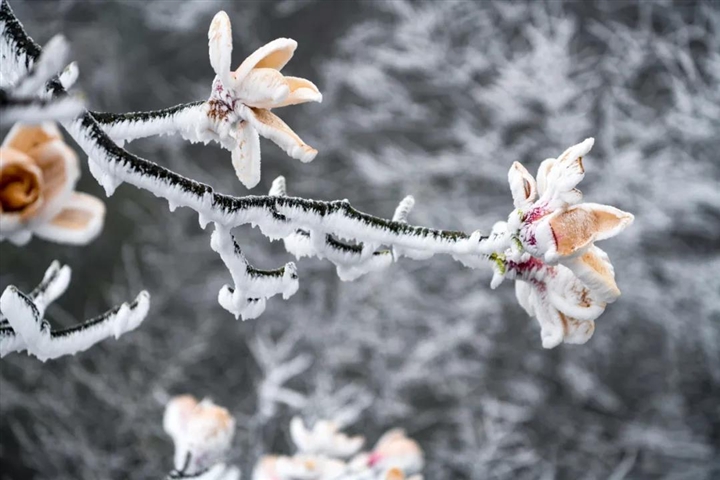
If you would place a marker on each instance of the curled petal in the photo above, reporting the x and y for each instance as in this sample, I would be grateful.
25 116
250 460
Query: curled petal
246 156
552 329
273 128
594 270
579 226
301 91
275 54
543 172
25 137
21 188
61 171
522 185
220 46
523 290
577 331
79 221
263 88
566 172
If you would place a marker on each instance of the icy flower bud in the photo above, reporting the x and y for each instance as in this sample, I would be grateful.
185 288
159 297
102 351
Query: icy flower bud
202 433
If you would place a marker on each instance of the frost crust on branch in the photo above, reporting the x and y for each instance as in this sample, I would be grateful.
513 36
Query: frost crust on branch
24 328
540 232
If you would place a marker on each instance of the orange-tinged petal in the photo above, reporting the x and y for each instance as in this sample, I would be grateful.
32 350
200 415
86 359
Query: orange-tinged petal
26 137
60 170
273 128
274 55
595 271
577 332
301 91
79 221
246 156
579 226
21 185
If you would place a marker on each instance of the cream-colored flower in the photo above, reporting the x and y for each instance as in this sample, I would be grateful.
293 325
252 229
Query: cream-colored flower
394 450
324 439
552 227
38 173
202 433
556 226
241 100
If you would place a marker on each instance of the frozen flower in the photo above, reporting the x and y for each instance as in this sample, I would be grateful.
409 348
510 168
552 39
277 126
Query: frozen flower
551 226
324 439
299 467
394 450
556 226
202 433
38 173
241 100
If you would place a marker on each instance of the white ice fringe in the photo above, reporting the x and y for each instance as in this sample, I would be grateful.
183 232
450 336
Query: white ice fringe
22 96
23 327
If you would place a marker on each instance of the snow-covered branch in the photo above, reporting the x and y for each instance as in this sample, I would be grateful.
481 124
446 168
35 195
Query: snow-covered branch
23 97
540 232
23 327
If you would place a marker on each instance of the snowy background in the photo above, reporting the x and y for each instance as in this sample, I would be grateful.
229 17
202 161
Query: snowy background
433 99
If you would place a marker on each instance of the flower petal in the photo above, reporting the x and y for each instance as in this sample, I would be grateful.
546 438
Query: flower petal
580 225
79 222
177 413
21 189
273 128
544 170
595 271
301 91
263 88
552 330
275 55
60 170
522 185
220 45
24 137
246 156
577 331
523 291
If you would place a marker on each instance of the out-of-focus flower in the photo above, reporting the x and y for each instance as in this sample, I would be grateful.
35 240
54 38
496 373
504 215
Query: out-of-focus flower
202 433
556 228
38 173
299 467
324 439
394 450
240 103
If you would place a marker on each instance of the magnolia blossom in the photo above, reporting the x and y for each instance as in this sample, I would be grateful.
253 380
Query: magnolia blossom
202 433
324 439
394 450
38 173
564 280
241 100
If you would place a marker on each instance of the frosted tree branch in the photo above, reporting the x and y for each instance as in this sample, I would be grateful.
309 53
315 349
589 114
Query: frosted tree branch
527 248
23 327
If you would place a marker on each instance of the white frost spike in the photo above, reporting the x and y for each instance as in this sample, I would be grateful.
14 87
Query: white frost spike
51 61
108 181
203 220
69 75
278 188
172 205
26 328
403 210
